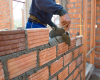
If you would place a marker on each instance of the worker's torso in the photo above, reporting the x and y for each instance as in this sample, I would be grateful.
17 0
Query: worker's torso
43 16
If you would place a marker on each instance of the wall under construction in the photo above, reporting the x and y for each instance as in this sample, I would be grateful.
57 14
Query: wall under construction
30 54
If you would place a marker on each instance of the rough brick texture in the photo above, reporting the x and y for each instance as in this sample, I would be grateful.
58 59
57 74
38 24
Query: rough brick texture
12 41
42 74
1 72
47 55
5 15
41 37
18 66
39 60
62 48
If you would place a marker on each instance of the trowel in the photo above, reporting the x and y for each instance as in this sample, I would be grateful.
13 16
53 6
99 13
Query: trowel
60 32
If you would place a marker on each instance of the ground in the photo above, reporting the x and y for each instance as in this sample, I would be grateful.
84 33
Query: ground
95 75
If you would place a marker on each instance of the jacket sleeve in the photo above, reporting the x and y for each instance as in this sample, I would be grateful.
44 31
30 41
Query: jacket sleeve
49 6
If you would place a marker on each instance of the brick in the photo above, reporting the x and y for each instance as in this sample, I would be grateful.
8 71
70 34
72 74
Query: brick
88 20
75 73
88 14
78 4
73 0
76 15
88 42
74 35
89 3
98 20
47 55
76 25
88 48
89 9
42 74
1 72
82 76
72 44
41 37
69 5
97 61
55 78
17 66
97 43
88 25
78 40
81 67
72 10
73 31
56 66
71 15
97 2
78 10
88 37
78 78
98 8
97 66
97 55
98 32
72 66
75 53
67 58
81 50
97 49
11 32
97 37
97 14
62 48
73 20
98 26
62 75
79 60
71 77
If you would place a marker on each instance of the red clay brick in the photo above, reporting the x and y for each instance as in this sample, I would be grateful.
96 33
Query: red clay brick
67 58
97 37
42 74
78 78
78 10
97 49
72 66
97 66
18 66
62 48
97 61
98 20
78 4
89 9
97 43
89 3
98 8
47 55
62 75
76 25
69 5
98 26
73 31
79 60
97 2
71 15
80 67
97 55
72 44
41 37
56 66
1 72
97 14
81 50
11 32
55 78
73 0
75 53
75 73
98 32
71 77
73 20
72 10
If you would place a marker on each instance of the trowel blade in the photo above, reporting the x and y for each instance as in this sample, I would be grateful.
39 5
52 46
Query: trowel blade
66 39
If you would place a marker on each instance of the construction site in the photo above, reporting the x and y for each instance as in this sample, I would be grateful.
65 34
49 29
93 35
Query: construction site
31 54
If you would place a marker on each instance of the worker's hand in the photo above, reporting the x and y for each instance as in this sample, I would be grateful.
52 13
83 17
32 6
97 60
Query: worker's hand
65 20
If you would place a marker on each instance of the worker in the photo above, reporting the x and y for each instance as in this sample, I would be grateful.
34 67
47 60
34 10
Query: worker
41 12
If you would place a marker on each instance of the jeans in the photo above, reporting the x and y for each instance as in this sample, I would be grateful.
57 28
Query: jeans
34 25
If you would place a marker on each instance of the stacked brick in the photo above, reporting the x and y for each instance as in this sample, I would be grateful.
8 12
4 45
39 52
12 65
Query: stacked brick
4 14
39 59
97 50
74 7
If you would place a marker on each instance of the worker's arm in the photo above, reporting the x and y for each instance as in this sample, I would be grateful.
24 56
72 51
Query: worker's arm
50 6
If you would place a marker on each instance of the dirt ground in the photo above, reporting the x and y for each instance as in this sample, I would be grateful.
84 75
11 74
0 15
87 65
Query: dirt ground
95 75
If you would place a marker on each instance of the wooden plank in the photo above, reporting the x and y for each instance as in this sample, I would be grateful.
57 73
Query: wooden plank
84 35
81 18
88 54
92 37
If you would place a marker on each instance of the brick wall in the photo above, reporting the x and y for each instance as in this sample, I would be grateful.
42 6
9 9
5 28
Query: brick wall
5 14
28 55
74 13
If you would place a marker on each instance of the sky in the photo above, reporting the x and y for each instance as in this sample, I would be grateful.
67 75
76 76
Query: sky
17 9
